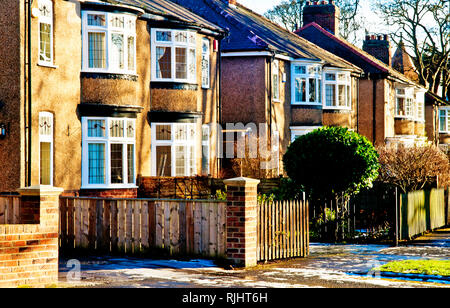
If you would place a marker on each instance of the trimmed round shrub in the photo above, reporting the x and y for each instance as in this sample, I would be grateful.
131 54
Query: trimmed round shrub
330 162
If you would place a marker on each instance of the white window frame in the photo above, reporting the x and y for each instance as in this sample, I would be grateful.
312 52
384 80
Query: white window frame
206 148
276 73
347 83
173 45
420 106
409 100
206 63
297 131
107 140
317 75
129 30
48 4
47 138
446 117
173 143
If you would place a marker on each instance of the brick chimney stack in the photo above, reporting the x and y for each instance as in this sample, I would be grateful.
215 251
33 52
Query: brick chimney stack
379 47
324 13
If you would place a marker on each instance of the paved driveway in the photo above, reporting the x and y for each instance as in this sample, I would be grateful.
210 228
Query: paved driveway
327 266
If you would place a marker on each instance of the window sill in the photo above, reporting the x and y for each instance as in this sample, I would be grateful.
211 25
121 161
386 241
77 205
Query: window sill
110 187
337 108
48 65
404 118
276 100
306 104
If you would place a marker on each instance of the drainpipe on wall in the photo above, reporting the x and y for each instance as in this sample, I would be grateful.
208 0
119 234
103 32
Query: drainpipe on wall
374 121
29 115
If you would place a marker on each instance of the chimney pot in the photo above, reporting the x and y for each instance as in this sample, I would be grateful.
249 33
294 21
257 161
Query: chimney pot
386 37
367 37
232 2
307 3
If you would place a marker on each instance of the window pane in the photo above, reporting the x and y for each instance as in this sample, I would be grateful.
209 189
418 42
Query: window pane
96 20
192 64
164 64
117 51
276 86
192 169
331 77
181 63
45 42
342 100
442 123
45 125
97 50
45 161
96 128
300 90
116 129
130 129
130 158
181 132
131 53
205 68
349 95
163 132
330 95
96 163
181 37
117 163
180 161
205 159
164 161
312 90
117 22
300 69
163 36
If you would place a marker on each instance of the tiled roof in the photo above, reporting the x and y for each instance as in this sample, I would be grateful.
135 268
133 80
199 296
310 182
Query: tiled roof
402 62
350 52
170 10
250 31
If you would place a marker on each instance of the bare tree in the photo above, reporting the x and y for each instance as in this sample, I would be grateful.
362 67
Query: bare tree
424 28
289 15
413 168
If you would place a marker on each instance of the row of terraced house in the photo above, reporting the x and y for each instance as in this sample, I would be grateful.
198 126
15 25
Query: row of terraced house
95 94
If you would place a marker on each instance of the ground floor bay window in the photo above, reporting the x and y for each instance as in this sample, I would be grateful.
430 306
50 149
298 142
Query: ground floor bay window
108 159
444 120
173 149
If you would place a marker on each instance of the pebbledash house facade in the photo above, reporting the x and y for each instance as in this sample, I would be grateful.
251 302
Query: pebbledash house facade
273 77
95 94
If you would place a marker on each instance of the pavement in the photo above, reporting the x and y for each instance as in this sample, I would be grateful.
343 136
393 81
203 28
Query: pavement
328 266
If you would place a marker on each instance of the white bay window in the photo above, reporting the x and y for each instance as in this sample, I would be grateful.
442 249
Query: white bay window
306 84
337 86
444 120
109 42
173 149
174 56
108 159
405 103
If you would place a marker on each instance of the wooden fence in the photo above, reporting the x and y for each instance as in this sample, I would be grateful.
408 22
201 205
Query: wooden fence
134 225
9 210
421 211
283 230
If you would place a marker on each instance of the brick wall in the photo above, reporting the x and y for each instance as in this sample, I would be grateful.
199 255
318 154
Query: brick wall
29 252
242 221
109 193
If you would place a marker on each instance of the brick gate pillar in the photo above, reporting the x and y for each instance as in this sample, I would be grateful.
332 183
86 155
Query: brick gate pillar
39 209
242 220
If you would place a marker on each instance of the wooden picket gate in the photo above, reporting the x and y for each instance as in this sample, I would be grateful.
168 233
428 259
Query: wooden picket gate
283 230
134 225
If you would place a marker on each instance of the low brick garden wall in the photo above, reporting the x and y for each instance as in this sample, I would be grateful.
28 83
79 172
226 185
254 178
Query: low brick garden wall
29 249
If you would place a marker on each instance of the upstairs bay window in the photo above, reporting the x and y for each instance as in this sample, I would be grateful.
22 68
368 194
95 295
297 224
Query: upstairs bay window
174 56
337 90
108 159
45 32
173 149
109 42
306 84
444 120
